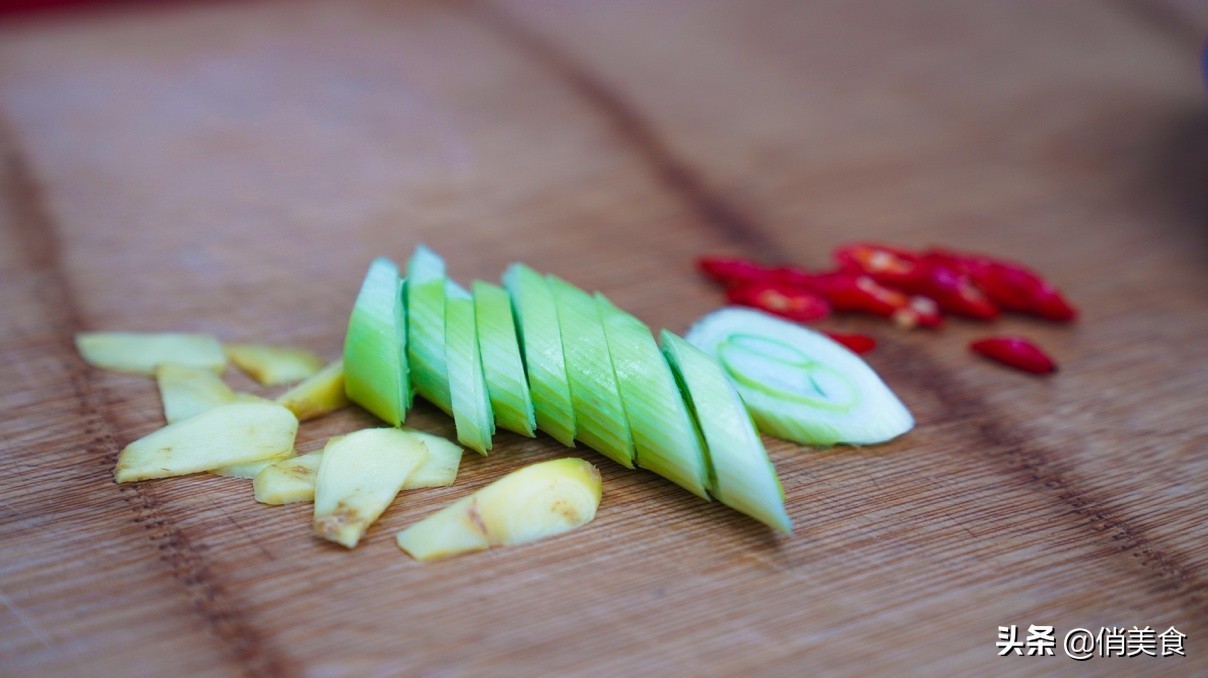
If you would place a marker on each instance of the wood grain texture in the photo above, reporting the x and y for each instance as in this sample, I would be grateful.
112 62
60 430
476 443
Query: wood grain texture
233 168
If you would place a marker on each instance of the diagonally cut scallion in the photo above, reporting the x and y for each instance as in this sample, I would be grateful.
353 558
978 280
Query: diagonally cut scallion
501 363
375 348
541 342
743 476
664 436
600 419
426 289
467 386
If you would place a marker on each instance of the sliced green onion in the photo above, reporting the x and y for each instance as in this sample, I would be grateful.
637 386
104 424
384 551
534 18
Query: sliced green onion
501 363
743 476
426 283
467 385
664 436
375 348
799 384
541 341
600 419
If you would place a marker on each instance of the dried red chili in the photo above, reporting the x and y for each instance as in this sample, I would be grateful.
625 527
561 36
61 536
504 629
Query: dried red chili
1010 285
856 343
732 270
1015 352
787 302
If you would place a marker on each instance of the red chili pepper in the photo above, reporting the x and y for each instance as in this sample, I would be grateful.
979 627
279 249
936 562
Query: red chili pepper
799 278
787 302
1010 285
908 271
1052 305
953 291
732 270
855 292
862 293
856 343
919 311
1015 352
888 265
846 291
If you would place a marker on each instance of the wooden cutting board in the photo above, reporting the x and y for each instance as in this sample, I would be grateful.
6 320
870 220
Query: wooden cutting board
232 168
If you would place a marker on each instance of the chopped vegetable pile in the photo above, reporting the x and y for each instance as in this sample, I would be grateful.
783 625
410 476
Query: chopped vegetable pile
537 353
543 354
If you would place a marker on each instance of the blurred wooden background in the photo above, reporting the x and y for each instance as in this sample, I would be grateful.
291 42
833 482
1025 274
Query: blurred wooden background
233 167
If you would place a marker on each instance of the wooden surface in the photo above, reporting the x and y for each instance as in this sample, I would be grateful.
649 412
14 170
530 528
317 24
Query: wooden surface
233 167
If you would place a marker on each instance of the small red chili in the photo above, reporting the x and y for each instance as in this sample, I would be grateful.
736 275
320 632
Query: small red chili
794 276
787 302
856 343
855 292
847 291
1023 291
866 294
1010 285
910 272
919 311
1050 304
1015 352
732 270
888 265
953 291
967 263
